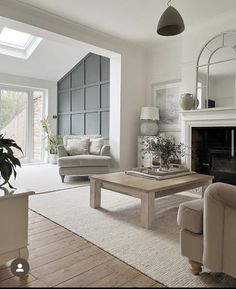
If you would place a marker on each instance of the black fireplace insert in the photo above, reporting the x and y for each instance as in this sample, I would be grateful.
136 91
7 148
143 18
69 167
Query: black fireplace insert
214 152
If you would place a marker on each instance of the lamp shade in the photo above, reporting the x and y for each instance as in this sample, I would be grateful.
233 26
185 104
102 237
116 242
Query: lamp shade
150 113
170 23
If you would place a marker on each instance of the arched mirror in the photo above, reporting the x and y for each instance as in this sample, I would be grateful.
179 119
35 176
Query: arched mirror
216 72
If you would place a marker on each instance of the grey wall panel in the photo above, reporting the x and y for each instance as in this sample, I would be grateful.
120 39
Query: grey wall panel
92 123
78 76
64 102
105 69
92 97
77 100
64 124
77 123
83 98
92 69
105 124
105 95
64 83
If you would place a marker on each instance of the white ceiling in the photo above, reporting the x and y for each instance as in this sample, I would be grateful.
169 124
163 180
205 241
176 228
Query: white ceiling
51 60
134 20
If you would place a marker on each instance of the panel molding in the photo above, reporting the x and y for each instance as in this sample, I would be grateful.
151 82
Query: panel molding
85 105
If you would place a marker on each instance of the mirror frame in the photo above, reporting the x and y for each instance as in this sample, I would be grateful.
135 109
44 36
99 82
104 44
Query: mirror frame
223 45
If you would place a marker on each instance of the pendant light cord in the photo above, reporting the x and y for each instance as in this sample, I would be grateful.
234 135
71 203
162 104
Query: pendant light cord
168 3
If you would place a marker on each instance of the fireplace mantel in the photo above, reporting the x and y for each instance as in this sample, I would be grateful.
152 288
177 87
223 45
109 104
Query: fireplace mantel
212 117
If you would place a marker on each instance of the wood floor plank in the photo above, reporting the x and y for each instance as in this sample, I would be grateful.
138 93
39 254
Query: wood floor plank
60 258
54 256
139 281
87 278
116 279
70 241
17 282
66 262
72 270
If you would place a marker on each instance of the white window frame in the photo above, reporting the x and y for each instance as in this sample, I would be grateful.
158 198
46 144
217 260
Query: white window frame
23 52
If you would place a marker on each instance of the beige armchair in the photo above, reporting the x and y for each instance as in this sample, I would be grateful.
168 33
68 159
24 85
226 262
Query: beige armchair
82 165
208 230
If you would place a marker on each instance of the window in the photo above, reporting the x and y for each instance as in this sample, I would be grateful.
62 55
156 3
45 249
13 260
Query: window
21 110
18 44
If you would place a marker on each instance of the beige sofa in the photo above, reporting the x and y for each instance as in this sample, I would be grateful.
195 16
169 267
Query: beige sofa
208 230
82 165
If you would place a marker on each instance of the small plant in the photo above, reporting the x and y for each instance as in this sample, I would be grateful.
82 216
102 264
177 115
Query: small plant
8 162
53 140
165 148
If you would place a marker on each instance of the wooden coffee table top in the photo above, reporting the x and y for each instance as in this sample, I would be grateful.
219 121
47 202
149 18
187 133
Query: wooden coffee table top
148 185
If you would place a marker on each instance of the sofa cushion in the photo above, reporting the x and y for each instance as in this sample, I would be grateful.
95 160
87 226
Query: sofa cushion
77 146
79 136
96 145
84 161
190 216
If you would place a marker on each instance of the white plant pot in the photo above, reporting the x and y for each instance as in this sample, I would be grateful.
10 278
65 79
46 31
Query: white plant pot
53 159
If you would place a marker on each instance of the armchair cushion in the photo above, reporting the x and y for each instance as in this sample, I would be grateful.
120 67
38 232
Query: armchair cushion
190 216
67 137
77 146
96 145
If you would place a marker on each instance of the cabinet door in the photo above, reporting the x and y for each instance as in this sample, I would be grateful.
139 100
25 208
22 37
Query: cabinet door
144 159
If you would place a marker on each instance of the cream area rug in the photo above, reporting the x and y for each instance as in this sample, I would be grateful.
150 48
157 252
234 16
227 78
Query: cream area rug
45 178
116 229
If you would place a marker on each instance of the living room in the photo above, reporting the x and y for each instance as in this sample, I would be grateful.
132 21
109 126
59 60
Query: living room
81 233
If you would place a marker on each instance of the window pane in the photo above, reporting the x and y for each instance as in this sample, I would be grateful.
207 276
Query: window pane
13 117
38 114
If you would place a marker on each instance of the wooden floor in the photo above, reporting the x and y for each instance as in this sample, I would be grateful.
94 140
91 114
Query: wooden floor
60 258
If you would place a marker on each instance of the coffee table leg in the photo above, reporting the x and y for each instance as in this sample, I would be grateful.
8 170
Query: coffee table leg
95 194
147 209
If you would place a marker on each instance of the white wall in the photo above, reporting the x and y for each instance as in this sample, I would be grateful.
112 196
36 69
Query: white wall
176 58
164 65
50 86
133 70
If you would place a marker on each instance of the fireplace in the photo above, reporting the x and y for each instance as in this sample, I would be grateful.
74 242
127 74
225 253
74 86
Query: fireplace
213 152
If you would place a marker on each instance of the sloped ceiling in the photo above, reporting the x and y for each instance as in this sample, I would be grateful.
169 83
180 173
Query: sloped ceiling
51 60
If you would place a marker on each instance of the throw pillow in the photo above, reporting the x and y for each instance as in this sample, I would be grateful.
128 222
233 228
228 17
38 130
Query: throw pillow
96 145
77 146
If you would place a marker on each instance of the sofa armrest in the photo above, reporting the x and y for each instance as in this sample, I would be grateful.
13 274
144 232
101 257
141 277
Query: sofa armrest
105 151
219 228
62 151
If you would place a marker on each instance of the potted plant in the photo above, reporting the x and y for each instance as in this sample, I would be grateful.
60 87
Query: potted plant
53 142
165 148
8 162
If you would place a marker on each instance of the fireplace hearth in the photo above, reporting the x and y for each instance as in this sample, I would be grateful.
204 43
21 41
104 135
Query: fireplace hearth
214 153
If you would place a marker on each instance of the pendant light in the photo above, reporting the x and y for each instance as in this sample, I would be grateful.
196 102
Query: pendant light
170 23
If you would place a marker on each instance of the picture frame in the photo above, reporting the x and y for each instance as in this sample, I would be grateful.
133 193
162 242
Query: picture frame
166 97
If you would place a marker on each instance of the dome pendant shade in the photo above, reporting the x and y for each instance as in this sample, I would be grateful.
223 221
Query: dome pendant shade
170 23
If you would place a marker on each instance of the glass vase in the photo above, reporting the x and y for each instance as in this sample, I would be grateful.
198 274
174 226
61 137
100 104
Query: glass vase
164 164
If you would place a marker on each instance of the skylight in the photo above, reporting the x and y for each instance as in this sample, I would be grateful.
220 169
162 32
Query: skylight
14 38
17 44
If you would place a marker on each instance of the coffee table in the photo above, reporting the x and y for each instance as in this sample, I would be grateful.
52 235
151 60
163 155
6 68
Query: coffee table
145 189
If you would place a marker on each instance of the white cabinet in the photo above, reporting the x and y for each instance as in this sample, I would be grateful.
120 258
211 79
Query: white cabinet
13 224
144 160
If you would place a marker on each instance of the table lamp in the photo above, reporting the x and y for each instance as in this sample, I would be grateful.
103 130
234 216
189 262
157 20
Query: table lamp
149 117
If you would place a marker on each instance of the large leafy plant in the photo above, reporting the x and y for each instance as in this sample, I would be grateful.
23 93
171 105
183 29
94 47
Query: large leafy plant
164 147
53 140
8 162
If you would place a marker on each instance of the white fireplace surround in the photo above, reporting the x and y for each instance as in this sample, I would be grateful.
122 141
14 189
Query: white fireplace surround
211 117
